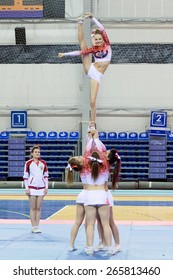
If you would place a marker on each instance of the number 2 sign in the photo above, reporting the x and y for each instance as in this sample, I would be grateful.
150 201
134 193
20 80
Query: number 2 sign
158 119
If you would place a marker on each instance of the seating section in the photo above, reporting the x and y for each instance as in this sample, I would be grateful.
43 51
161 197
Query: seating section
134 155
58 147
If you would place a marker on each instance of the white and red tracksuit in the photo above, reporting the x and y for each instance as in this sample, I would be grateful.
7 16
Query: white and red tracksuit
36 177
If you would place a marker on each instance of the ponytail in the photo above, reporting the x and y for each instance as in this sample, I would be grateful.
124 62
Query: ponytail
69 177
73 164
95 163
95 170
116 173
115 160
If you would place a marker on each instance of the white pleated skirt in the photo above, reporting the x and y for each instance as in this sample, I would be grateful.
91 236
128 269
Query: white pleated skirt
81 197
96 198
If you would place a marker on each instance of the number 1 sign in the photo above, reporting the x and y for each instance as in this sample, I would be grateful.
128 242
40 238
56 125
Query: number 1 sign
18 119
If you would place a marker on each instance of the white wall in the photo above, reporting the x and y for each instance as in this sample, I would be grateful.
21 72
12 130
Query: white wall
134 8
46 91
40 85
56 90
137 86
59 85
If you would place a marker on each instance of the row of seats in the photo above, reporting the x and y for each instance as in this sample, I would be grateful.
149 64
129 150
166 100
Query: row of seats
75 135
134 154
15 151
123 135
44 135
128 136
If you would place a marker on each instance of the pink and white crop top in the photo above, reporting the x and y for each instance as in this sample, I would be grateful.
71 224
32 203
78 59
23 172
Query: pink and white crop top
101 53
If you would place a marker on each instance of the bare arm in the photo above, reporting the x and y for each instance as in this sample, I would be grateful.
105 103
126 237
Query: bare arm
99 144
74 53
100 26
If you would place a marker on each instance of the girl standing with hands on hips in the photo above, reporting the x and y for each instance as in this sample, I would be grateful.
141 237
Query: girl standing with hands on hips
102 53
36 184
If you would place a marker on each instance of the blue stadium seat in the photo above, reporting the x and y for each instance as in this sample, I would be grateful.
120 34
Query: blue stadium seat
63 135
31 135
102 135
112 135
4 135
143 135
74 135
41 135
170 136
133 136
122 135
52 135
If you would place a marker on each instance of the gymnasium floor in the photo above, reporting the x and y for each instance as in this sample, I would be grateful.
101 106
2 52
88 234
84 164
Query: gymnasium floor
144 219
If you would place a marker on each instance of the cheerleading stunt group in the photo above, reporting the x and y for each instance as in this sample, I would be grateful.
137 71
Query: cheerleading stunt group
95 202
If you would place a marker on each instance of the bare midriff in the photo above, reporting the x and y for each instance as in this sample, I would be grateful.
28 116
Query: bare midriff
96 187
101 66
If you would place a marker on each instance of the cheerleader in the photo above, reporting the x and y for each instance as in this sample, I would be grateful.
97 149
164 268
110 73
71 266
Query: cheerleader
101 51
114 160
36 184
76 164
97 200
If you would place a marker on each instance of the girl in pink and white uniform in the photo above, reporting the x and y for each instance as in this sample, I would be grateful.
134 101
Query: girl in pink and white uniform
101 51
96 174
113 158
36 184
77 164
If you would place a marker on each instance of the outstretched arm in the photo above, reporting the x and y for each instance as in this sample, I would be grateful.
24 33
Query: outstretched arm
88 147
100 26
74 53
99 144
